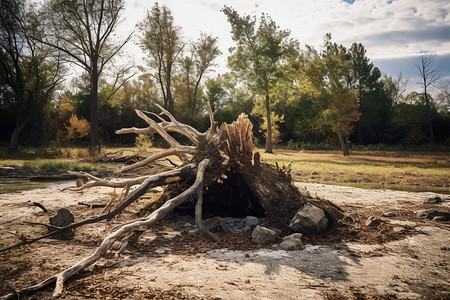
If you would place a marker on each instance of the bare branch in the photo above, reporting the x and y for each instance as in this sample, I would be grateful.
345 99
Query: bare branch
164 178
120 234
173 151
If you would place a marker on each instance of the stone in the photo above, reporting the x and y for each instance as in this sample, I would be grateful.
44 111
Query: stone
426 213
373 221
193 231
434 200
309 220
251 221
442 218
388 214
213 224
292 242
79 182
62 218
262 235
352 217
229 220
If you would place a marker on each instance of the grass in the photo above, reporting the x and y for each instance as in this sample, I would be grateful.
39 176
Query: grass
414 171
59 165
402 170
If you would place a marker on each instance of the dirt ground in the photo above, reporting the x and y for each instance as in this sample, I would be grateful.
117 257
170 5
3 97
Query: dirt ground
405 257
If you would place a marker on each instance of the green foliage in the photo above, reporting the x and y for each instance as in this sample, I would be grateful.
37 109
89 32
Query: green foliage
143 142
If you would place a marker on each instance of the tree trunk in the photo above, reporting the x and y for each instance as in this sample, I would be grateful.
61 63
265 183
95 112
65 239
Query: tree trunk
222 158
93 105
269 126
343 141
14 141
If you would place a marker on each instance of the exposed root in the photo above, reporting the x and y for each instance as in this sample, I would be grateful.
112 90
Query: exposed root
118 235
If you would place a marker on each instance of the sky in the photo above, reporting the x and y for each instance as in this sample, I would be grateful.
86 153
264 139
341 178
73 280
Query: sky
394 32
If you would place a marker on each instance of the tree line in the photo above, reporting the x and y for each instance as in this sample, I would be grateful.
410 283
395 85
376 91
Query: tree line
294 96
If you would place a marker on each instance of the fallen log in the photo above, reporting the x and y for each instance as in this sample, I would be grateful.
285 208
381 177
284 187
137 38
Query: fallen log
223 160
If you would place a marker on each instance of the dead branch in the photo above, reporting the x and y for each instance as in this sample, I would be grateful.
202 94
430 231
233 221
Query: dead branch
117 235
224 155
40 206
165 178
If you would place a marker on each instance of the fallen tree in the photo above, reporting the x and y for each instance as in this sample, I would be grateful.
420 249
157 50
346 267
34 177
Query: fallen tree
220 160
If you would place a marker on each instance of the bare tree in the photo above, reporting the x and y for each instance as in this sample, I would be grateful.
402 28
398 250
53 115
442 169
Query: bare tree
27 68
162 40
429 74
84 30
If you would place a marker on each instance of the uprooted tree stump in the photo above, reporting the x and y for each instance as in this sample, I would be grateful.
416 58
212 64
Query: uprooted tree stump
221 161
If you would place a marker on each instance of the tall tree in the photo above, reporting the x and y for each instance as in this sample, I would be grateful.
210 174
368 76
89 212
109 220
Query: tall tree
257 58
194 66
162 40
329 74
84 30
365 78
26 67
429 74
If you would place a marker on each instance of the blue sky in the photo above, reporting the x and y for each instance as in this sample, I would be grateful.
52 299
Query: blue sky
394 32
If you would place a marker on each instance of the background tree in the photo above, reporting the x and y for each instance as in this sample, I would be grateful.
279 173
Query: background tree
373 104
27 69
84 31
429 74
192 68
329 74
257 58
161 39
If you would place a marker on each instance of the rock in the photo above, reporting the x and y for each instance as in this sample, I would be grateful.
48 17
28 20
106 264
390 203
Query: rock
251 221
352 217
262 235
434 200
193 231
388 214
292 242
443 217
62 218
426 213
373 221
229 220
213 224
309 220
79 182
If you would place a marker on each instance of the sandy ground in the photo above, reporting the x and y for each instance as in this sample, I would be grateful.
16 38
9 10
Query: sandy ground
408 259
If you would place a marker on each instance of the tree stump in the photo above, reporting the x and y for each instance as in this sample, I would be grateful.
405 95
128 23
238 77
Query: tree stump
221 166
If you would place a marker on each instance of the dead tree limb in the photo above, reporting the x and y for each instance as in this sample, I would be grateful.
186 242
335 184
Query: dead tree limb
223 159
117 235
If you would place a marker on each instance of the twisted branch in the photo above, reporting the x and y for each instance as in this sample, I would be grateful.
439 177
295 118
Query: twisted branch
117 235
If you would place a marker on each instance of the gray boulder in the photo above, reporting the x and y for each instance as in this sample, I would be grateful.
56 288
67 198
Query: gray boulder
262 235
251 221
62 218
292 242
309 220
373 221
433 214
352 217
434 200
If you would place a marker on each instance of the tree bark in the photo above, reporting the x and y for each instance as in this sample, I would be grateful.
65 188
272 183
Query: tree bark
223 155
93 105
268 148
343 141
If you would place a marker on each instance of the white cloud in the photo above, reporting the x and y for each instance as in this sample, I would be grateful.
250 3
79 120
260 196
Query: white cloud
388 29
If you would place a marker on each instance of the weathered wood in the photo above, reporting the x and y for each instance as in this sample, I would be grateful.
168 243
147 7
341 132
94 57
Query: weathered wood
222 155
